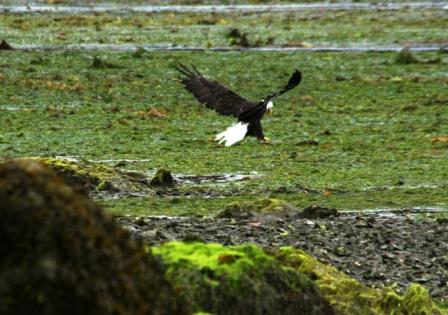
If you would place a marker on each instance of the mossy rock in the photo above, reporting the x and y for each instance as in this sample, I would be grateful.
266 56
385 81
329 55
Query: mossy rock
4 45
83 174
60 254
263 209
163 178
349 296
406 57
93 177
316 212
239 280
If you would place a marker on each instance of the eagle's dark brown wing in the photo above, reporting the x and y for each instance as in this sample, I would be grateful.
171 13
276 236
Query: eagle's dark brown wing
256 112
214 95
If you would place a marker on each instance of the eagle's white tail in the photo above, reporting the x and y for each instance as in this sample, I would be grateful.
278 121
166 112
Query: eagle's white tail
232 134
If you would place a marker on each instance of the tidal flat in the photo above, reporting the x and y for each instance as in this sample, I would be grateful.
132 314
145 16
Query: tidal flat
362 131
363 139
210 30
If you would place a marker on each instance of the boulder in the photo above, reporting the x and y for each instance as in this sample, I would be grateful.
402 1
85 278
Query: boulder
239 280
61 254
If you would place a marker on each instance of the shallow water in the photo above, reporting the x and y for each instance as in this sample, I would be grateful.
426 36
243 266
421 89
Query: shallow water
180 178
81 9
324 48
397 213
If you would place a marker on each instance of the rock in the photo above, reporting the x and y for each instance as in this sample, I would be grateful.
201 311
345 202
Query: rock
315 212
4 45
60 254
239 280
349 296
92 178
406 245
262 210
405 57
163 178
307 142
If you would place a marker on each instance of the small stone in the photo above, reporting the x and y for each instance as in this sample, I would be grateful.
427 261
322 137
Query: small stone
163 178
307 142
314 212
4 45
193 237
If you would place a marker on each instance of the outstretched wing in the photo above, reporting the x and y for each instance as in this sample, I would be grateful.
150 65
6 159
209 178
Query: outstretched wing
257 112
293 81
214 95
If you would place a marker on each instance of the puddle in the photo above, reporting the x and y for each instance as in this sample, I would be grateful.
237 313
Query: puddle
13 108
217 178
180 178
118 161
74 158
123 9
396 213
406 187
317 48
32 107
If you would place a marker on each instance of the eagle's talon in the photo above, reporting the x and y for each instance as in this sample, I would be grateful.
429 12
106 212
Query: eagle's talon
265 140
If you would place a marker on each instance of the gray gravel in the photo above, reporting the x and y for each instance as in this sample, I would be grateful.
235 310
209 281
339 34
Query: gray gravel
377 250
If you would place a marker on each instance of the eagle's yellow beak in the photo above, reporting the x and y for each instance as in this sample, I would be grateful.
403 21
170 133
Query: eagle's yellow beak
269 111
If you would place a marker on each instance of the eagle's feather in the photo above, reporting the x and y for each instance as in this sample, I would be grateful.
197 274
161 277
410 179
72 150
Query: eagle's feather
233 134
214 95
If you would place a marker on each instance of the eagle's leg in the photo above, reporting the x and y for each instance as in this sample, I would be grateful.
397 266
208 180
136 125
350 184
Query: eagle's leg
256 130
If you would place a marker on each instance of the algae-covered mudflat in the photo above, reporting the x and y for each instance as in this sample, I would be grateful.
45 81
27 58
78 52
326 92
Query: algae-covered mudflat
95 96
285 29
361 131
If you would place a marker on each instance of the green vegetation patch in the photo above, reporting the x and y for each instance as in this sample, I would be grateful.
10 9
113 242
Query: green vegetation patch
300 29
209 274
96 177
359 132
238 280
258 208
349 296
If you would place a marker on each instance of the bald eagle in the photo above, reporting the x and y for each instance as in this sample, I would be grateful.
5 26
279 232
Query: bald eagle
219 98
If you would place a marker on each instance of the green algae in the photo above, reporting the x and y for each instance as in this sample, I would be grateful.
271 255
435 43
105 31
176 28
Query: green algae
163 178
373 128
191 266
349 296
82 172
303 29
258 207
97 177
238 280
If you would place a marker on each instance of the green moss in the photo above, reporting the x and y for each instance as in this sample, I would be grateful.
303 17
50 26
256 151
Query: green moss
82 172
238 280
258 208
288 28
349 296
406 57
163 178
97 177
371 144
